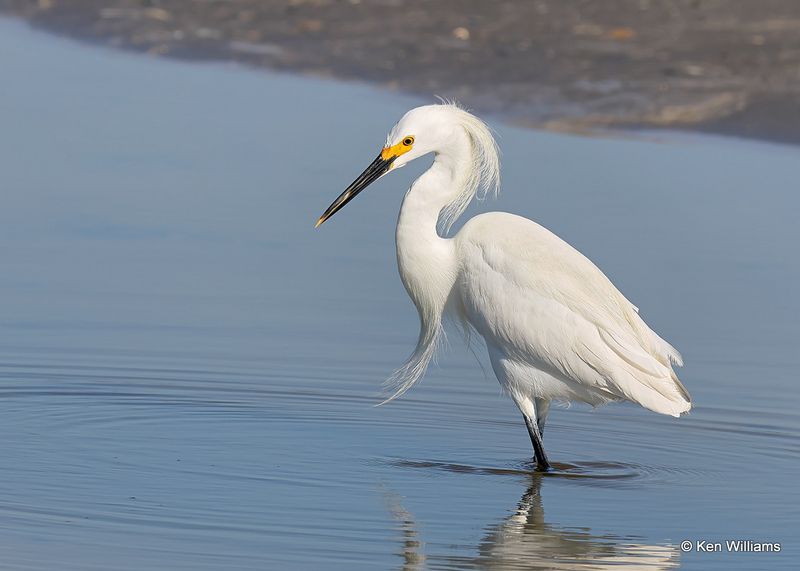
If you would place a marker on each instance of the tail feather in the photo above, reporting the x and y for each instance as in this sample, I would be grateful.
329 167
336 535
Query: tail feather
640 375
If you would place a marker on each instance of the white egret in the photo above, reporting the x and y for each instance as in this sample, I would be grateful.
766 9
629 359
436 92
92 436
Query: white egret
555 327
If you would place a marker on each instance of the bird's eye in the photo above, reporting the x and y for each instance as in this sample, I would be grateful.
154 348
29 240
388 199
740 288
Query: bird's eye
408 141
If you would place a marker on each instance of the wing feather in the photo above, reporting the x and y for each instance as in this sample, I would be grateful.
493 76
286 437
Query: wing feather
529 292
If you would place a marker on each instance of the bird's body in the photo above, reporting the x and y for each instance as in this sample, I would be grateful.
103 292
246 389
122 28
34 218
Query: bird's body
555 327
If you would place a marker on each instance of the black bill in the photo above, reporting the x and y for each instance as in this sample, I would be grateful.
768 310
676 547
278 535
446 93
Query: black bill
373 172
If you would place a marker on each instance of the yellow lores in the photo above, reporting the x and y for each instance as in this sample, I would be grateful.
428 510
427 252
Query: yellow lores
400 148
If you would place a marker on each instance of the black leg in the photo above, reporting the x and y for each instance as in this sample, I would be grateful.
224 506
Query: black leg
538 445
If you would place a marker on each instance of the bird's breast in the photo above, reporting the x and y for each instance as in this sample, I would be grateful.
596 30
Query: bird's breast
427 269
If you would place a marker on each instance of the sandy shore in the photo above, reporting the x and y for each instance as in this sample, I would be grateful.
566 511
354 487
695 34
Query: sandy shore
722 66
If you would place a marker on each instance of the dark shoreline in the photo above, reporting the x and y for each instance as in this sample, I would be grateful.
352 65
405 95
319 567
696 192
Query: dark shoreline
724 67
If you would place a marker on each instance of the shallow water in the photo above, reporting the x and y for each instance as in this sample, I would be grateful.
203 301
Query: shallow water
188 370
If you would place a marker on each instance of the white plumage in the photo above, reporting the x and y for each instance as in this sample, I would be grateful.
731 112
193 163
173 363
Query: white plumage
555 326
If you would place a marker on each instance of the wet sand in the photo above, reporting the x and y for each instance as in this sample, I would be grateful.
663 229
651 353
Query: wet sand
720 66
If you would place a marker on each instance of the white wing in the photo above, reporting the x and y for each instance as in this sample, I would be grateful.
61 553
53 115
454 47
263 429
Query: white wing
543 303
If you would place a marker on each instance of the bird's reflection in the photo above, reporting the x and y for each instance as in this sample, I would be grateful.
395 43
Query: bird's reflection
412 550
524 540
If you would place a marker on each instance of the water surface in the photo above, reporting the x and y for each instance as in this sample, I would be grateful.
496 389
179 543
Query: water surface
188 370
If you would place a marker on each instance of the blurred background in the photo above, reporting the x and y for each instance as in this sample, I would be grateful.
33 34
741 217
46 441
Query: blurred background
726 66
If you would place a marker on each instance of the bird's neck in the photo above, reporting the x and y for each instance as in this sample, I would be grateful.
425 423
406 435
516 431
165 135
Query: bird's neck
426 260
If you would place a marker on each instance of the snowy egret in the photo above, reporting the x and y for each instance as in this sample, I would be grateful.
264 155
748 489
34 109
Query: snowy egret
555 327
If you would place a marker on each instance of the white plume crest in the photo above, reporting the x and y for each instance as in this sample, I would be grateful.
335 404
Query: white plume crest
482 176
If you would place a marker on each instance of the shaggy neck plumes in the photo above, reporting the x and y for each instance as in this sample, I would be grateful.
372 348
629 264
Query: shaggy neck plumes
426 259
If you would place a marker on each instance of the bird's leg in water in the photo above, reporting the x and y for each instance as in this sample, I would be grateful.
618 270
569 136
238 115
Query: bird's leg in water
529 406
538 445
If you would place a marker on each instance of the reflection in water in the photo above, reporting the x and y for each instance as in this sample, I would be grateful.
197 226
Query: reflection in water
596 472
412 548
525 540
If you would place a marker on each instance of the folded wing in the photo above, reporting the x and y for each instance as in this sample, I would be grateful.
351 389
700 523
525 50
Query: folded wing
529 292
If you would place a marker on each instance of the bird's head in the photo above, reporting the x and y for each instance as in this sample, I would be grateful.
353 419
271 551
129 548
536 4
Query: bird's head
423 130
